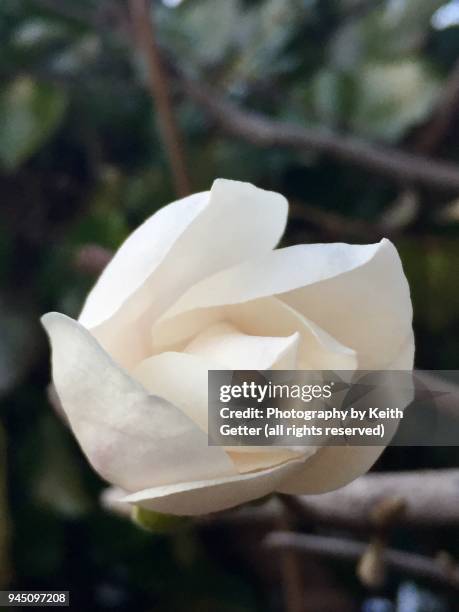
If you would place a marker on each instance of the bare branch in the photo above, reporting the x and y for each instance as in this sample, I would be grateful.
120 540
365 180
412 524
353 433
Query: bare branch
438 570
264 132
430 500
158 83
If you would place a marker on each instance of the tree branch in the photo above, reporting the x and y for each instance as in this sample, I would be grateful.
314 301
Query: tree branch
159 88
438 570
265 132
430 500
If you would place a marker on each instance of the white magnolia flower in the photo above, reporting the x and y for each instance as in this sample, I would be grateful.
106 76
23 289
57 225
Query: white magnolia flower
198 286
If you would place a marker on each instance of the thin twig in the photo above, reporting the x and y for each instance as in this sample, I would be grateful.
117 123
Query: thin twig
264 132
339 548
158 83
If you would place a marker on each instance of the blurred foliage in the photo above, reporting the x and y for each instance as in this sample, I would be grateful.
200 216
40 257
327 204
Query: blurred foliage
81 162
30 113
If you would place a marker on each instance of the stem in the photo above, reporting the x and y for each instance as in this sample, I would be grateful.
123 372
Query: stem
158 83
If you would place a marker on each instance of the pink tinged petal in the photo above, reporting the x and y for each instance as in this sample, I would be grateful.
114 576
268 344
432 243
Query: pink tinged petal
132 439
231 223
202 497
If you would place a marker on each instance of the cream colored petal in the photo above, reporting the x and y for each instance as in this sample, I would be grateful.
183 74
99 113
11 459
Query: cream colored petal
251 459
239 221
357 294
223 343
317 350
139 256
335 466
276 272
368 309
134 440
202 497
182 378
404 357
263 317
330 468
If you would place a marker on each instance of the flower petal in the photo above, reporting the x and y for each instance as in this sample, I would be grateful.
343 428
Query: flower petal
139 256
202 497
133 439
368 309
182 378
233 222
330 468
317 350
224 344
358 294
277 272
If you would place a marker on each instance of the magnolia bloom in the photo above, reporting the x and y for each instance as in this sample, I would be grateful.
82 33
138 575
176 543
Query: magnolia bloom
199 286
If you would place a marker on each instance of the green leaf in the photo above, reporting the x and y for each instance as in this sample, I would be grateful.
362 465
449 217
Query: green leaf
157 522
30 112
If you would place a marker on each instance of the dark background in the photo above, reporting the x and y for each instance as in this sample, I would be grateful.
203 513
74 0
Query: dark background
81 164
